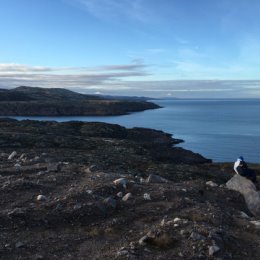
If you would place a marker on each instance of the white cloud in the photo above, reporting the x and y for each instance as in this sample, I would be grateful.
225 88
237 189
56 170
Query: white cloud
12 75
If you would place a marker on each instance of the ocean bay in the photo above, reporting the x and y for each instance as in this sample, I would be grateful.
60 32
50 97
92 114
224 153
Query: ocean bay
220 130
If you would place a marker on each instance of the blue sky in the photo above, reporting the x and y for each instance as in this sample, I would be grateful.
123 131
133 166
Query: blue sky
181 48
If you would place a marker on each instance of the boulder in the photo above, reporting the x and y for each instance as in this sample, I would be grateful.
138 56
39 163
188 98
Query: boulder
248 190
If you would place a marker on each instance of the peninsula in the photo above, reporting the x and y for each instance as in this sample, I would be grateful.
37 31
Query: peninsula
33 101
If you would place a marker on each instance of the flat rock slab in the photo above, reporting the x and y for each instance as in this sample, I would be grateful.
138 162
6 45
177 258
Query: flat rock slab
248 190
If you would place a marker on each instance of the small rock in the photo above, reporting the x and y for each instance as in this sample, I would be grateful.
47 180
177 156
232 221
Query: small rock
77 206
41 198
89 192
127 196
142 240
121 181
211 184
53 167
142 180
147 196
197 236
16 212
41 173
153 178
19 244
256 223
162 222
176 220
12 155
213 249
182 232
22 156
36 158
17 165
119 194
110 202
244 215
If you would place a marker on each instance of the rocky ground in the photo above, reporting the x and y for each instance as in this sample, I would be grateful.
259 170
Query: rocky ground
99 191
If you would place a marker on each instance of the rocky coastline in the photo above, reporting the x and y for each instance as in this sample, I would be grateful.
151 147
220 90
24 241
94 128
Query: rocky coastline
78 190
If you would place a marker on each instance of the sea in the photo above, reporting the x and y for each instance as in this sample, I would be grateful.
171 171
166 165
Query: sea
221 130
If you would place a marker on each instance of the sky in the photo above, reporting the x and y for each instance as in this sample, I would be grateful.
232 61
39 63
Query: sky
156 48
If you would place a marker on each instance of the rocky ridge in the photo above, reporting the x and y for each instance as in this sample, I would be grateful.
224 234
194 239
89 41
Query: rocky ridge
99 191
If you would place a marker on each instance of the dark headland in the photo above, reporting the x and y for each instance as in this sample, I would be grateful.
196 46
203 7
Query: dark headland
34 101
79 190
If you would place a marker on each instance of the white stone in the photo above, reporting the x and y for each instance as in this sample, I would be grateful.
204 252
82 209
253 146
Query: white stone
12 155
211 184
127 196
119 194
213 249
142 240
176 220
147 196
41 198
256 223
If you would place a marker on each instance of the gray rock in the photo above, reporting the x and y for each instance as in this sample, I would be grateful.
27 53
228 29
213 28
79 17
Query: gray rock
41 198
19 244
53 167
77 206
22 156
248 190
142 240
153 178
110 202
213 250
211 184
197 236
244 215
119 194
121 181
127 196
12 155
16 212
256 223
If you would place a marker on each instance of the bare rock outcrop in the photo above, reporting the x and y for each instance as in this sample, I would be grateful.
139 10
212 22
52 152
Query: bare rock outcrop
248 190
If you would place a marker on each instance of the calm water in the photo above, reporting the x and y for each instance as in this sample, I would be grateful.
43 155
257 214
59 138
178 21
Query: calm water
220 130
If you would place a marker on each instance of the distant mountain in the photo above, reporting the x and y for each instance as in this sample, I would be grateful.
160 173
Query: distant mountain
33 101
